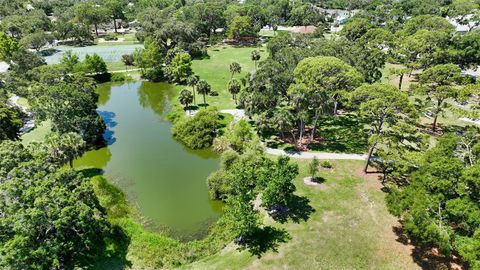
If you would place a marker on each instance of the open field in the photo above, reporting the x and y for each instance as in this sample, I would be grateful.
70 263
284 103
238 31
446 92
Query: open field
215 69
350 229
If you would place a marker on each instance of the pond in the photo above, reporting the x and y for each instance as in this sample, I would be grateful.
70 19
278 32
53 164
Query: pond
109 54
164 180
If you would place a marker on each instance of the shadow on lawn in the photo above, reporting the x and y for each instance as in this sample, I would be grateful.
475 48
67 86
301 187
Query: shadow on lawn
428 258
265 239
297 210
343 133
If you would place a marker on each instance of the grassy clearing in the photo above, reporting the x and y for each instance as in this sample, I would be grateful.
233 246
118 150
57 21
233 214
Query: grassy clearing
216 70
38 133
350 229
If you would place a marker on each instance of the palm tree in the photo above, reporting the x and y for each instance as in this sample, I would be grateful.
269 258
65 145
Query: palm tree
203 88
283 120
234 88
235 68
255 57
185 98
192 81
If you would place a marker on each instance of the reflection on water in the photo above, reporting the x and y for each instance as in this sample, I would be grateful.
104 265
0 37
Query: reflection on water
162 178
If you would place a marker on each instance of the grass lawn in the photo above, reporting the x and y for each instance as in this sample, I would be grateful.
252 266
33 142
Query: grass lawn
216 70
38 133
350 229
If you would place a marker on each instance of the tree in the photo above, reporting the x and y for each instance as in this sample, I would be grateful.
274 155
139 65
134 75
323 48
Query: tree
128 59
180 68
71 106
198 132
203 88
382 105
241 217
235 68
89 13
65 228
241 27
115 9
8 47
280 188
234 88
255 56
64 148
94 64
400 72
438 84
150 56
438 206
328 74
355 29
185 98
36 40
313 167
69 61
192 81
11 119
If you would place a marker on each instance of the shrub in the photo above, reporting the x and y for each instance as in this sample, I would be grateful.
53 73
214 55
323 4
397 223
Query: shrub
128 59
199 131
326 164
213 93
153 74
110 37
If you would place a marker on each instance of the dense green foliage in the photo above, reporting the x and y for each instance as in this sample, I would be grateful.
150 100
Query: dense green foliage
198 131
50 217
440 206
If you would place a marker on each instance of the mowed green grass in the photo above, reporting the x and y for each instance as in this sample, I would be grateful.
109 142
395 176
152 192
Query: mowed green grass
216 70
350 229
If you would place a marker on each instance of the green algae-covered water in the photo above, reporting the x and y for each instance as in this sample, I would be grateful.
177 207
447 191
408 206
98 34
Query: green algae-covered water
164 180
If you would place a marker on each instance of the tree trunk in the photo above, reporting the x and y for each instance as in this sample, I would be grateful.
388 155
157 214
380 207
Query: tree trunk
400 81
194 99
369 156
300 136
115 25
204 102
96 29
437 110
434 126
312 135
71 163
335 105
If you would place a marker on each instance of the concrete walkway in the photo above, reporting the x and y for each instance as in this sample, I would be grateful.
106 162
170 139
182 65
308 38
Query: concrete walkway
28 122
319 155
239 114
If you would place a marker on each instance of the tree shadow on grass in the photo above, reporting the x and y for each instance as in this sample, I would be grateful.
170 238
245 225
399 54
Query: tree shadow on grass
297 210
265 239
114 256
91 172
427 257
343 133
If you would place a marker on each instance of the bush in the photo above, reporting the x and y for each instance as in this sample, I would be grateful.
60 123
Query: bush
199 131
110 37
326 164
153 74
128 59
213 93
